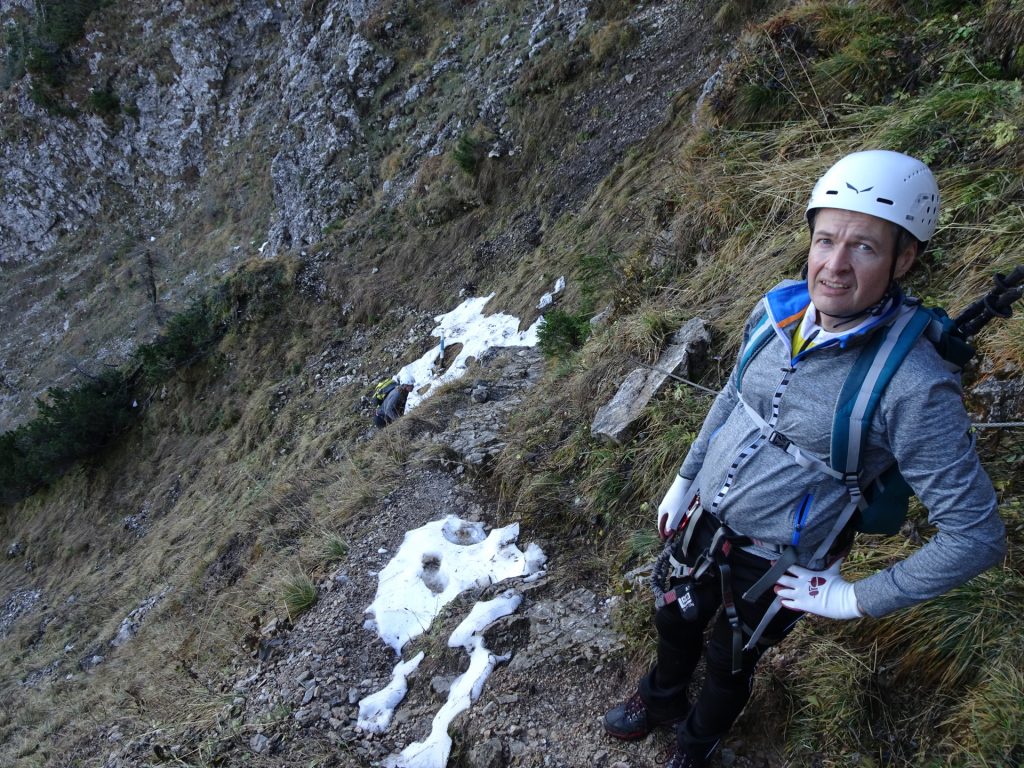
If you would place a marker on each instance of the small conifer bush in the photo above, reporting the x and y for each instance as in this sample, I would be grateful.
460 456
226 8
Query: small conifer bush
562 332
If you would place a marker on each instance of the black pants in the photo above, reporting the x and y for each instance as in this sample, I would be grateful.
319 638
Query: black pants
681 643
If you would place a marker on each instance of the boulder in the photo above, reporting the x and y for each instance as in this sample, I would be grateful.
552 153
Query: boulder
614 420
1001 401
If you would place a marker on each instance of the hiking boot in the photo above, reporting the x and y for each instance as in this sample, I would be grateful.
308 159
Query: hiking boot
631 721
683 759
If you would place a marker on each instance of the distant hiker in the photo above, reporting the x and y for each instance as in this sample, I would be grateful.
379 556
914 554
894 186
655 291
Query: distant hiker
764 507
394 402
381 390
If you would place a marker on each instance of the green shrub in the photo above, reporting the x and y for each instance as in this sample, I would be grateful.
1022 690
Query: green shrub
62 22
187 337
561 333
469 152
71 424
74 424
44 50
104 102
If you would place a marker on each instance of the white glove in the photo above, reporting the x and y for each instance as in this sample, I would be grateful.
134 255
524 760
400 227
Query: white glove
670 511
825 593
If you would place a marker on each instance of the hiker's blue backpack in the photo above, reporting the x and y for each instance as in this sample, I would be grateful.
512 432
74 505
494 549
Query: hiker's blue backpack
882 506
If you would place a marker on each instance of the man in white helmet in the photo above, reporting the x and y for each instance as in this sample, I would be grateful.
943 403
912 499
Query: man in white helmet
763 520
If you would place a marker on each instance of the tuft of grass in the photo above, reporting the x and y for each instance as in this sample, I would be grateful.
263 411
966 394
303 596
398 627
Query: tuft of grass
298 593
612 41
367 474
675 419
633 618
988 722
544 498
610 10
1002 31
944 643
334 547
644 333
827 686
734 12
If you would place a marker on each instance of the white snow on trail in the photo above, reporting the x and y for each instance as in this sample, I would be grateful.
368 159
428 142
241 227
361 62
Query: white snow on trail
435 564
444 558
467 325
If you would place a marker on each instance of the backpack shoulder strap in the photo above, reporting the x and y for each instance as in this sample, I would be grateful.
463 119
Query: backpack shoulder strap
759 336
871 373
858 399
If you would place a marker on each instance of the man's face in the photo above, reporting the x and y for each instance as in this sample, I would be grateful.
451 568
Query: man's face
849 263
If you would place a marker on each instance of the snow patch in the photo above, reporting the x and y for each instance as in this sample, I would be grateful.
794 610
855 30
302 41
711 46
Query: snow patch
467 325
435 564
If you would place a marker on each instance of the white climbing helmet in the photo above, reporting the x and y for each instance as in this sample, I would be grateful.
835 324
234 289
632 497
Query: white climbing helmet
889 185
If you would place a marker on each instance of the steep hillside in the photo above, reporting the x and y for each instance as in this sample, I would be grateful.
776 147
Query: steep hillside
223 223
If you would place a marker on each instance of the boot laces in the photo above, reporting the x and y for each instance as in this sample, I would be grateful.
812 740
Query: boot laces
635 706
682 759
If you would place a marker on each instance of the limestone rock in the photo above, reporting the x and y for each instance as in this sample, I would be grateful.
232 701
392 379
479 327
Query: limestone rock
614 421
487 754
1001 400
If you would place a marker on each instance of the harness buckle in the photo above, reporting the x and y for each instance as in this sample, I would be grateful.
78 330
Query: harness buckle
779 440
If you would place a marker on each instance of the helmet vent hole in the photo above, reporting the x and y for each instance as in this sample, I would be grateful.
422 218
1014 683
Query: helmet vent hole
884 201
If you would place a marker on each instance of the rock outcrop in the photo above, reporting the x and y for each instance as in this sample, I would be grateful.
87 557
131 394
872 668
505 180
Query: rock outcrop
614 421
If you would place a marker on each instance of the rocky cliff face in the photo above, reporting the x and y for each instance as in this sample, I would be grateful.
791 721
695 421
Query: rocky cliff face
192 80
249 129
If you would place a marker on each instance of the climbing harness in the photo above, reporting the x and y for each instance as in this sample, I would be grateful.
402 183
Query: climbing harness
716 557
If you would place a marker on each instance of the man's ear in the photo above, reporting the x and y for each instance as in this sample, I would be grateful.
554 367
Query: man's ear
906 260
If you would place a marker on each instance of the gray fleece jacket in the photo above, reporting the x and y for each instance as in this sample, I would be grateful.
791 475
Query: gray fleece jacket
920 423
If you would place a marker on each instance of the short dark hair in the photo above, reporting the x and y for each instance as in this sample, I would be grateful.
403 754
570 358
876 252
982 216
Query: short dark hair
904 239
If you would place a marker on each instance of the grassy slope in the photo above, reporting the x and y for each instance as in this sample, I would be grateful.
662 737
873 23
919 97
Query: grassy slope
244 460
245 463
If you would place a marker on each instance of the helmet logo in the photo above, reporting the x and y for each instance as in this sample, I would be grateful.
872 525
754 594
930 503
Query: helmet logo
858 191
